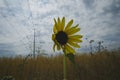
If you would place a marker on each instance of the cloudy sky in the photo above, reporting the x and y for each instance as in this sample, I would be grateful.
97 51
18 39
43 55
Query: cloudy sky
99 20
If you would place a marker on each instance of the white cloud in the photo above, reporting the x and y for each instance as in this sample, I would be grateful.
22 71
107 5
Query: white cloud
94 17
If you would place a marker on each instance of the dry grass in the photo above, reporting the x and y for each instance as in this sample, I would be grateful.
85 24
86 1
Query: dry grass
101 66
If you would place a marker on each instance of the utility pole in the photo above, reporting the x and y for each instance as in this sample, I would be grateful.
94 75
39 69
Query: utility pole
34 45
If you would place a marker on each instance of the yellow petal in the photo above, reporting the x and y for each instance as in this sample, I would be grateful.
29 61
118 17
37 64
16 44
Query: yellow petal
54 47
53 37
75 36
67 52
59 25
73 31
69 49
69 24
76 40
56 24
54 29
70 28
58 46
63 23
73 44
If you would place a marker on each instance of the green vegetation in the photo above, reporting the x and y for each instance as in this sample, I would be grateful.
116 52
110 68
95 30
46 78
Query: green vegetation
103 65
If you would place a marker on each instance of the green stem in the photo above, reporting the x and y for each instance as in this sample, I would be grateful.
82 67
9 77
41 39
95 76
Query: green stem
64 67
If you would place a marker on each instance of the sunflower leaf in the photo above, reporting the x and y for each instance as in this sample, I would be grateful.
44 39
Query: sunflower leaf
71 57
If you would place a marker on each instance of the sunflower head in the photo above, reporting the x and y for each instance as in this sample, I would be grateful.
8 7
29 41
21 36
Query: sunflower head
64 36
61 37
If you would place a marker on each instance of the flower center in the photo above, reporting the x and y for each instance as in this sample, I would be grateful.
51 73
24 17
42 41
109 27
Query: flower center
61 37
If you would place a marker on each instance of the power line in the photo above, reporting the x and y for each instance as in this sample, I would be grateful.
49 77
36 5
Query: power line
30 18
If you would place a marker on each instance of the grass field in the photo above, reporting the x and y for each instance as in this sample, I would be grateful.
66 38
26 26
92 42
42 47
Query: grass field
100 66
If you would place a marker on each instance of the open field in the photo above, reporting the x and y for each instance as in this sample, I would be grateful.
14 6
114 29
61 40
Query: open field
100 66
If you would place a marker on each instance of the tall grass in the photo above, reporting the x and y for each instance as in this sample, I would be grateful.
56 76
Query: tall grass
100 66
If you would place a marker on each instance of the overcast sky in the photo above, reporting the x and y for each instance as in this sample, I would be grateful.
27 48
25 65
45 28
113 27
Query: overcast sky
99 20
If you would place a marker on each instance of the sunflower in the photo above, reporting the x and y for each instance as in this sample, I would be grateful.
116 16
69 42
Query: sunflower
64 37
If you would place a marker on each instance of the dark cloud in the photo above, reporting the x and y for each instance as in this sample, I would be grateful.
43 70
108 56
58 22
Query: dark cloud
89 3
113 8
112 37
6 46
7 53
6 50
